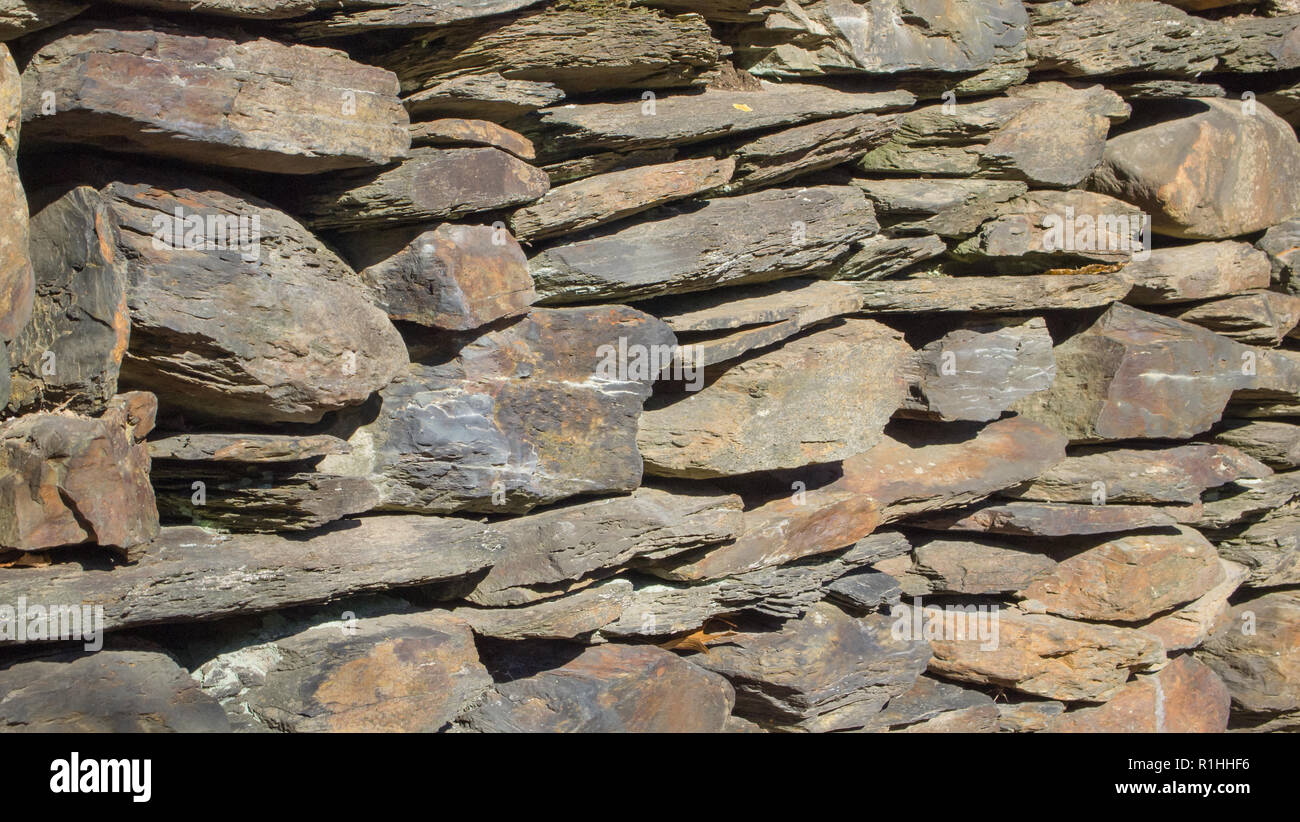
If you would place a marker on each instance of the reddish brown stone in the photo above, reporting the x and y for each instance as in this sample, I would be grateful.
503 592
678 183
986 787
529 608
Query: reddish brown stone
1185 697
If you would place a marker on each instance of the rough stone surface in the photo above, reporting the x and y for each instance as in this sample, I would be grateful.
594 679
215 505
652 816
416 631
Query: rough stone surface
1256 653
16 280
241 102
1185 697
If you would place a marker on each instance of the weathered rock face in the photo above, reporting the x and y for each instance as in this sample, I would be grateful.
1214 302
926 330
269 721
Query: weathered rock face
127 690
404 673
979 370
1184 697
19 17
245 103
1195 272
71 352
1048 519
67 479
682 119
1126 475
1139 375
742 421
977 566
983 295
948 207
826 671
1255 318
1256 653
543 409
1131 578
1192 624
284 333
453 277
1269 547
610 688
605 198
16 282
829 37
1276 444
732 240
775 158
1207 174
453 131
431 184
583 49
1043 655
357 16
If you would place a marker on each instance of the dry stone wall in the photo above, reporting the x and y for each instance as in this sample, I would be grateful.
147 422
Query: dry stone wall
649 365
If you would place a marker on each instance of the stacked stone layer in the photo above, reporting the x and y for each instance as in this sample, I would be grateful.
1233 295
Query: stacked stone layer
650 365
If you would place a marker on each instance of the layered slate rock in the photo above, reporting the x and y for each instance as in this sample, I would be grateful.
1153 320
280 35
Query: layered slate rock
755 237
783 592
405 673
1255 318
826 37
606 689
220 100
683 119
1270 548
1196 272
605 198
256 499
1130 578
453 277
19 17
743 420
947 207
825 671
117 690
66 479
979 370
539 410
1190 625
1276 444
790 153
16 280
1041 655
1047 134
587 47
563 548
1048 519
1184 697
934 706
1096 39
360 16
1282 245
1138 375
489 96
1256 653
70 353
455 131
431 184
285 332
991 295
1208 174
190 574
1139 476
572 616
245 448
977 566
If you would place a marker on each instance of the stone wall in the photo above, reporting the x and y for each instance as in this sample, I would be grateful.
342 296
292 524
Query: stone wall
650 365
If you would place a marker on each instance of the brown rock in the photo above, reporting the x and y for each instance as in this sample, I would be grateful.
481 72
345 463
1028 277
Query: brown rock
16 282
977 566
1130 578
526 414
126 690
71 352
1043 655
1132 476
1276 444
744 420
489 96
991 294
1195 272
19 17
947 207
453 277
245 448
572 616
1255 318
605 198
776 158
581 50
402 673
229 101
826 671
1048 519
462 132
431 184
934 706
1209 174
1257 654
67 479
1270 548
360 16
607 689
1191 624
1184 697
269 327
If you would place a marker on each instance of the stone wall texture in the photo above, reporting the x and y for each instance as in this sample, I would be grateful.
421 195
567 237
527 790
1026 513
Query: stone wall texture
650 365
